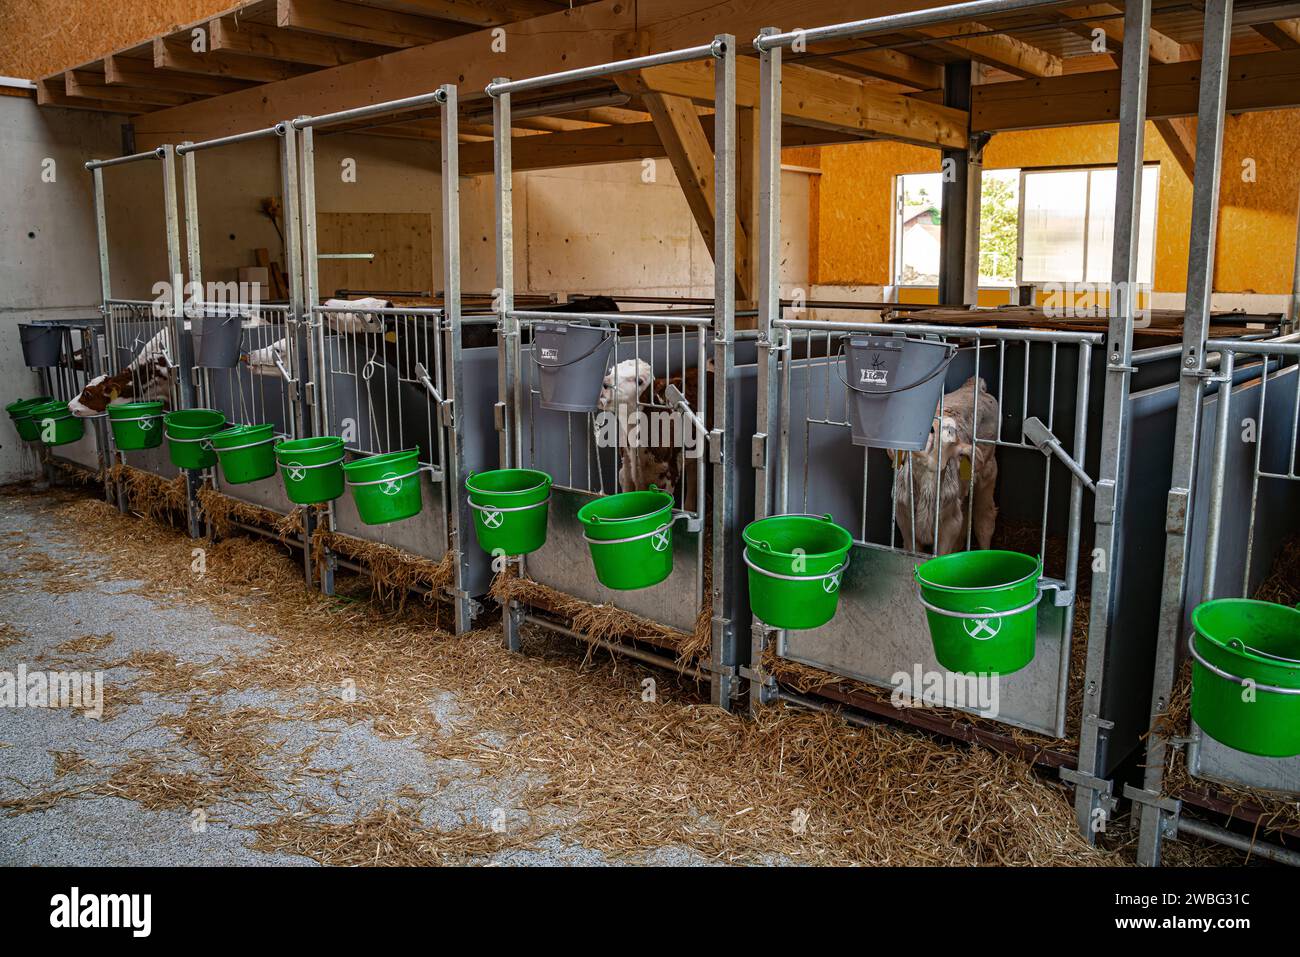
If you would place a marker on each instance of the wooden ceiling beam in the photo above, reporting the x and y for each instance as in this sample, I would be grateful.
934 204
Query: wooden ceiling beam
1283 34
1179 135
475 13
895 66
1109 18
50 92
172 54
91 86
232 35
366 24
1256 81
993 49
816 98
127 71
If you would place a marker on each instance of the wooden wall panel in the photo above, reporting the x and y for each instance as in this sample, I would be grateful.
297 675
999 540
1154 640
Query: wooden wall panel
402 244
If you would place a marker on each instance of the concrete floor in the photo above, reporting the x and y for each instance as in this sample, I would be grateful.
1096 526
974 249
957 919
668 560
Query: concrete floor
362 769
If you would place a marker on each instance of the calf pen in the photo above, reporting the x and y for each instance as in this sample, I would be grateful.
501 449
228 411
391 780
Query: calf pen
685 364
1244 541
389 380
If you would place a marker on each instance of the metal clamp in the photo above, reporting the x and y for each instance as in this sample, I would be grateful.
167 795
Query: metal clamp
975 615
834 574
1237 679
663 530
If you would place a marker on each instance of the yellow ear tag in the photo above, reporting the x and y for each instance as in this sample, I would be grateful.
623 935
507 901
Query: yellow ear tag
390 336
113 394
963 468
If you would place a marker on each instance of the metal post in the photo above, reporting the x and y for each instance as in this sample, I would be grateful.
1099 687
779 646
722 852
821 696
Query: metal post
509 388
106 293
1094 802
1293 307
1191 390
456 472
724 652
959 231
768 468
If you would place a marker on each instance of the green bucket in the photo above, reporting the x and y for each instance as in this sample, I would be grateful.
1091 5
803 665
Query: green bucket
1246 675
795 564
21 414
386 488
245 453
631 538
189 437
136 425
312 469
982 609
510 510
55 424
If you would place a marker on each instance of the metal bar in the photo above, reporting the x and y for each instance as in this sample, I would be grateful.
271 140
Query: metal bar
529 316
1191 389
1283 346
901 21
438 96
175 271
504 87
925 329
510 388
724 652
960 198
1218 474
318 398
123 160
262 134
1090 810
1219 835
190 182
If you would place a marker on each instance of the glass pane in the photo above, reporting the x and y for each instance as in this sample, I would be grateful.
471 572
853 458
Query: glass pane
999 226
920 213
1101 224
1055 208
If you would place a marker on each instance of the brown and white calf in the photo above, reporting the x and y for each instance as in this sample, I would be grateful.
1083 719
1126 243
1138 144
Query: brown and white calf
147 378
950 462
652 439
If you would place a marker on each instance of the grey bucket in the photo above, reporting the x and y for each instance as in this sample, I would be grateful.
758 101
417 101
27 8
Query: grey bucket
217 341
573 359
895 385
42 345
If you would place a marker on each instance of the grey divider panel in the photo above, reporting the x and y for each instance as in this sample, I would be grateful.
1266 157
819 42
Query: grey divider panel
880 629
84 451
426 533
741 464
1277 515
132 336
564 445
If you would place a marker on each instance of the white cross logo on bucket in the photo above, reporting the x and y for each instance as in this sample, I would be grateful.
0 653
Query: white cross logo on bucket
392 483
831 583
492 518
146 423
982 629
296 471
660 539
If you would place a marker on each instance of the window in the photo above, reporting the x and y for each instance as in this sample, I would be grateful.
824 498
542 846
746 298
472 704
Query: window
1068 225
1036 226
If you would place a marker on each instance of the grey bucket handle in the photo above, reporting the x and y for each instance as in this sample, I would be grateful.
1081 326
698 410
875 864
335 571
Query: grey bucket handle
609 335
942 368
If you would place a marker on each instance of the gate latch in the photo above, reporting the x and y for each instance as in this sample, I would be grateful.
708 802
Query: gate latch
444 405
673 396
1042 438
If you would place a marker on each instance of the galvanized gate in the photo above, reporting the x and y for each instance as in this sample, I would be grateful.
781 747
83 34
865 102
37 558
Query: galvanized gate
388 379
671 352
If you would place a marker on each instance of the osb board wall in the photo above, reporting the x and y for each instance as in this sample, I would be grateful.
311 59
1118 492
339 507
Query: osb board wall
402 244
45 36
1256 243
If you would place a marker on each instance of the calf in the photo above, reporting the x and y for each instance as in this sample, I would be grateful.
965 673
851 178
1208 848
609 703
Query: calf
147 378
950 462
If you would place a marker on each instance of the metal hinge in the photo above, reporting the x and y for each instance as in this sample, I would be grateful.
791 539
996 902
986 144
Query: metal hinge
715 446
1105 510
758 450
1176 511
1152 799
448 416
1100 787
309 393
499 416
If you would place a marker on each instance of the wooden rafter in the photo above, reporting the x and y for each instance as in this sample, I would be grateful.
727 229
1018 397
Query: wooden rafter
233 35
1109 18
354 22
1283 34
169 54
92 86
982 44
126 71
817 98
896 66
1179 135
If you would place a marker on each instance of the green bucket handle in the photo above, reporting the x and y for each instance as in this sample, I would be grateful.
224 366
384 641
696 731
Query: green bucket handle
1229 676
596 519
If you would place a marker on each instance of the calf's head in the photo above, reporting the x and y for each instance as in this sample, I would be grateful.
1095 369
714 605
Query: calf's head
624 384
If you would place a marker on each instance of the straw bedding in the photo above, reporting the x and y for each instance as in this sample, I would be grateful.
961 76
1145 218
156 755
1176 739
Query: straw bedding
393 573
602 766
151 496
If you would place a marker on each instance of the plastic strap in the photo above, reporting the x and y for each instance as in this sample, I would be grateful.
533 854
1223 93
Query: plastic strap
1236 679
